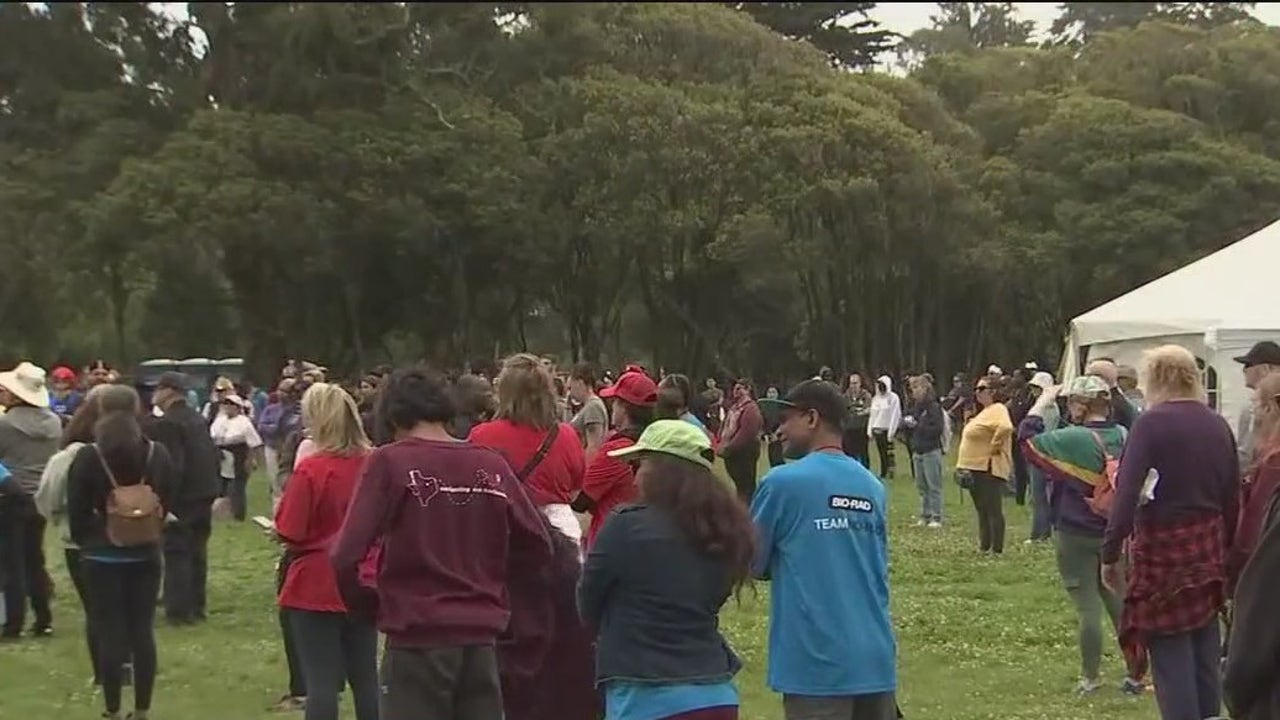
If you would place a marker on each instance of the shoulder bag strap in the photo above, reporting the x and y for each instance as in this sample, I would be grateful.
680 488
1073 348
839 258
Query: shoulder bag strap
540 455
111 477
151 448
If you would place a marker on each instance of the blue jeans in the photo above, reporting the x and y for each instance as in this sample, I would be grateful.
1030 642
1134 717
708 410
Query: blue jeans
1185 668
928 471
1041 528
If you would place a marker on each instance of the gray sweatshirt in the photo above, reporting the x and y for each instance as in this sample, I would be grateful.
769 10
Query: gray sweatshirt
28 438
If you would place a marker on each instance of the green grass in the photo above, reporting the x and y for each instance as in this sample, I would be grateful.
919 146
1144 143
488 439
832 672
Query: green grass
978 638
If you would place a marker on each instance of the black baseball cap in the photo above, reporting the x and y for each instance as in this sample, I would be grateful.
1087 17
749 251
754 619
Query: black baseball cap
173 381
819 396
1263 353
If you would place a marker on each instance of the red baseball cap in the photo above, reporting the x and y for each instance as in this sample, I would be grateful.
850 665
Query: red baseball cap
634 388
63 373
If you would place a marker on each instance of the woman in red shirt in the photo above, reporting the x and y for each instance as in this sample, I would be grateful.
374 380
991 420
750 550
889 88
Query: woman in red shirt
611 481
545 454
333 646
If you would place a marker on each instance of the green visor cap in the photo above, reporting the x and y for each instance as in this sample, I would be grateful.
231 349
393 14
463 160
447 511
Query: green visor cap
671 437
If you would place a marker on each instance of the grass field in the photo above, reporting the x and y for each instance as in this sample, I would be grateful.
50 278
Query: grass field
978 638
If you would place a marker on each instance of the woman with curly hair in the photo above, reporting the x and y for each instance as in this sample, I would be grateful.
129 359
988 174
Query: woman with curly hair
656 579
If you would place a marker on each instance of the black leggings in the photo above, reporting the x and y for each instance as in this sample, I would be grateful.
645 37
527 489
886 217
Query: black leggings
884 448
297 682
988 499
75 568
122 601
742 466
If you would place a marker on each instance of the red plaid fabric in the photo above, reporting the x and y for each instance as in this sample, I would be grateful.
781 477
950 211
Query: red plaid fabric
1177 583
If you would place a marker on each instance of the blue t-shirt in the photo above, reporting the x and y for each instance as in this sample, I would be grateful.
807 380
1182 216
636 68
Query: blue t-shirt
824 545
641 701
65 405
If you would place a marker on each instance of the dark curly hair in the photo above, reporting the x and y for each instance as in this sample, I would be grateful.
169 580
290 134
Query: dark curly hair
411 396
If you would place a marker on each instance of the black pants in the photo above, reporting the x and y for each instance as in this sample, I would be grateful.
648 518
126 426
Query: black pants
459 683
854 442
988 499
75 568
22 553
884 448
742 466
236 490
1021 477
186 564
335 649
297 681
122 599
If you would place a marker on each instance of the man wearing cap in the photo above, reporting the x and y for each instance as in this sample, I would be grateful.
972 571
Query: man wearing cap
1261 360
1122 411
63 397
183 432
823 542
610 481
1127 380
29 436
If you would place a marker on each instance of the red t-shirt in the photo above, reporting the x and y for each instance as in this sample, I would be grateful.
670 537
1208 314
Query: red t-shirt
558 478
609 482
308 520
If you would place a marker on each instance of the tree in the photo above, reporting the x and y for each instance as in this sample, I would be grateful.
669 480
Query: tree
965 27
1081 22
842 30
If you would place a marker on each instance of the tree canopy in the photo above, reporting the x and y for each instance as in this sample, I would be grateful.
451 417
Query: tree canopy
699 186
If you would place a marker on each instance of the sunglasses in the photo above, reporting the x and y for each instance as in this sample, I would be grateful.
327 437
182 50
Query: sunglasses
980 388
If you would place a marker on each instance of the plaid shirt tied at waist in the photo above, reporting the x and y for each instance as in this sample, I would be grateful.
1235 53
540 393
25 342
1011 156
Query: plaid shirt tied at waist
1177 583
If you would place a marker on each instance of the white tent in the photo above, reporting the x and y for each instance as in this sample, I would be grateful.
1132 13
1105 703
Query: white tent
1217 307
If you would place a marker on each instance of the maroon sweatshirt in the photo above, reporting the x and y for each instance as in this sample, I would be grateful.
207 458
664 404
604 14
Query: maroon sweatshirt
453 520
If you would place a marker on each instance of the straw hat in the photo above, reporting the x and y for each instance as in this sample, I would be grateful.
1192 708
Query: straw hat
27 382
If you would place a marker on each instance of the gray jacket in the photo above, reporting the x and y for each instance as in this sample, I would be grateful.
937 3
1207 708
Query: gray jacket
29 436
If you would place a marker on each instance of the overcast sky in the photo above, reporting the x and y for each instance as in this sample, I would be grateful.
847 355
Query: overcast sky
907 17
904 17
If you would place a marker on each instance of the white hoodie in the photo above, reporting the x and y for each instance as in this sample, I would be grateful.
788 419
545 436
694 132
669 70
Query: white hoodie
886 409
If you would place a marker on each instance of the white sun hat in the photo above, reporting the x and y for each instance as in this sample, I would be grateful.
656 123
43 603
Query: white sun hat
27 382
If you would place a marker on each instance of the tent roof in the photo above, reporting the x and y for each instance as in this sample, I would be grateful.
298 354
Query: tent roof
1225 290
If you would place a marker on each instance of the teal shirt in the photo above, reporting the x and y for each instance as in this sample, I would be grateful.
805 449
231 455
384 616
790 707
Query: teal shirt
643 701
823 543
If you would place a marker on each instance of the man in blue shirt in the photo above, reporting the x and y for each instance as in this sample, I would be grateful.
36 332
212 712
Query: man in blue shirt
824 545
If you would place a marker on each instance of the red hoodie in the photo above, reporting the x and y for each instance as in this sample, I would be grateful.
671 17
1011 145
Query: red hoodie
453 520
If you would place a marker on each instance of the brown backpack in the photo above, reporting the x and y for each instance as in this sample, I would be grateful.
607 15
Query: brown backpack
135 516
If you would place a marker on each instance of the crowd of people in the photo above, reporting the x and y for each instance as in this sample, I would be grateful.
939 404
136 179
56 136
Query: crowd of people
537 544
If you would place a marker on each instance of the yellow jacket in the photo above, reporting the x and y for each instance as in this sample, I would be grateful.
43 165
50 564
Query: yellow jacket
986 444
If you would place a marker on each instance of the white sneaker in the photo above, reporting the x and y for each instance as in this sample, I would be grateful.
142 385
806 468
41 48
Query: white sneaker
1086 687
920 522
935 524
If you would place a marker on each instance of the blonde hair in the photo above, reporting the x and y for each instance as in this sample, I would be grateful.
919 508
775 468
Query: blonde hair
1169 373
333 420
526 392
